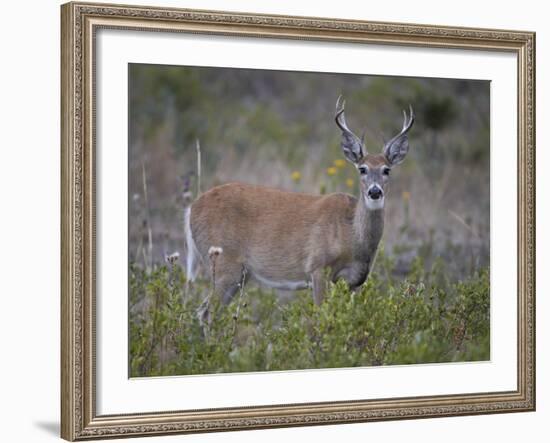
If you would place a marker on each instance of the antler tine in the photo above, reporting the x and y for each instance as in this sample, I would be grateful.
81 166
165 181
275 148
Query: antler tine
339 117
411 118
408 121
340 103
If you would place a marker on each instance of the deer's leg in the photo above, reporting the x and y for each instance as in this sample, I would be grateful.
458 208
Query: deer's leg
227 279
229 285
318 280
354 275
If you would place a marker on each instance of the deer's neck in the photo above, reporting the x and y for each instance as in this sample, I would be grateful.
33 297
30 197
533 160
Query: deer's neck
368 226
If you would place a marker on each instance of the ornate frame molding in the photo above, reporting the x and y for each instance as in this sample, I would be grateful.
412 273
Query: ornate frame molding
80 21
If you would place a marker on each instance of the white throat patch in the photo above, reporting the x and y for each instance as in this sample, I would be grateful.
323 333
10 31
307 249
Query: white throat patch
374 204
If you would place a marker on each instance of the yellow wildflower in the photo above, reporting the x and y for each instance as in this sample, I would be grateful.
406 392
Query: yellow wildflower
332 170
349 183
406 196
296 176
339 163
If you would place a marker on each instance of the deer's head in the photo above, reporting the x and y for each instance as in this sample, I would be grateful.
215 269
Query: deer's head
374 169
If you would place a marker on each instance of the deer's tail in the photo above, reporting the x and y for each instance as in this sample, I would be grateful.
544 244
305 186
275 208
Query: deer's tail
191 264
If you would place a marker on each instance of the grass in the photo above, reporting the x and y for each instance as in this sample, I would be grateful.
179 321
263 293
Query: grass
422 318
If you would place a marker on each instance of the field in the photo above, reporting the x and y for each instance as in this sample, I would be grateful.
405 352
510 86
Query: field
428 297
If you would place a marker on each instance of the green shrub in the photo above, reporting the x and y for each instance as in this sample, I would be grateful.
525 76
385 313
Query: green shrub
419 319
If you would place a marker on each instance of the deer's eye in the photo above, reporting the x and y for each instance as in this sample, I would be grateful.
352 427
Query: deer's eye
363 170
386 171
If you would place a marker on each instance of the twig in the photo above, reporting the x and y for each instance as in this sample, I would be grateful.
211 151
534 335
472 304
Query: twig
204 309
154 338
139 247
237 313
198 168
462 222
147 218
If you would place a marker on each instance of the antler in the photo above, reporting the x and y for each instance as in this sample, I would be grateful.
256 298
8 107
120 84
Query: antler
340 118
407 125
352 145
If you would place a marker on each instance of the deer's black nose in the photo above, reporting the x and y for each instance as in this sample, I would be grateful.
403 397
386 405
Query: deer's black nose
375 193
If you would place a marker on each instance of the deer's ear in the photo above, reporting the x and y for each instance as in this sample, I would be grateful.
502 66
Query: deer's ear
352 147
396 150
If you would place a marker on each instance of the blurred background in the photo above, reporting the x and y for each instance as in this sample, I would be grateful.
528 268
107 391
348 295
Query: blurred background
277 128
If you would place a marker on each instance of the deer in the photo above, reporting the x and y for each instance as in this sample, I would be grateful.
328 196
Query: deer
291 240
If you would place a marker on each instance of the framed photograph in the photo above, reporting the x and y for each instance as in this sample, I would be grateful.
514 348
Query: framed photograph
283 221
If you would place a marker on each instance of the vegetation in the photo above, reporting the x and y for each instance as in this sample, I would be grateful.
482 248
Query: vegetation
420 319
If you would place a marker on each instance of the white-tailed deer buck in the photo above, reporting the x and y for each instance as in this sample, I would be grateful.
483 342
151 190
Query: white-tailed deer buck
291 240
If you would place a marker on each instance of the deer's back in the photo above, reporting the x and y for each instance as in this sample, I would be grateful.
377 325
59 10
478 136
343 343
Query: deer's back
269 228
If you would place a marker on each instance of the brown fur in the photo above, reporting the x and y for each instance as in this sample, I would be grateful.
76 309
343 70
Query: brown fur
284 236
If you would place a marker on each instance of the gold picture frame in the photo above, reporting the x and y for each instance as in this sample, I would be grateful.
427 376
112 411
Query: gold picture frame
79 22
